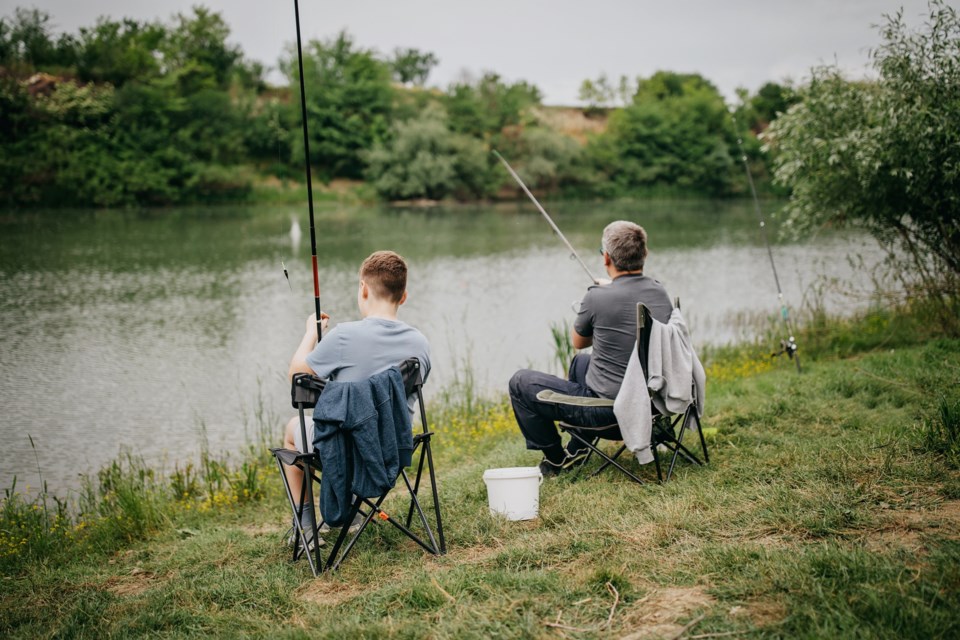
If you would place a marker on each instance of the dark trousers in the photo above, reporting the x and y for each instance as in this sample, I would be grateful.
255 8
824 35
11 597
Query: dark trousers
536 419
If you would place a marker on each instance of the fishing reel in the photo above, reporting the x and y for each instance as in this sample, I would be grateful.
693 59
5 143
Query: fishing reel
788 346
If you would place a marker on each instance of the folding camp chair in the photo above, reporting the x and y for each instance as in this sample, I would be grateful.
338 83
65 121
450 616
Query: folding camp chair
663 434
305 392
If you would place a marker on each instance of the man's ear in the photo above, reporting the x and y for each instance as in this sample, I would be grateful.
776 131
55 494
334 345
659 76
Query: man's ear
403 299
364 290
606 259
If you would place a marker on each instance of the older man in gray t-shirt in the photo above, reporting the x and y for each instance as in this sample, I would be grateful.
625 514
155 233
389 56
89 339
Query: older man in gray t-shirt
607 321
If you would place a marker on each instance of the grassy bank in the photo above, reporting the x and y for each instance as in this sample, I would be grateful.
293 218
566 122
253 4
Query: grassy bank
831 508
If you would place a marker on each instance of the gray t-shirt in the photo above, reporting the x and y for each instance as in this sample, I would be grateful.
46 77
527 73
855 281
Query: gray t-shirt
608 313
354 351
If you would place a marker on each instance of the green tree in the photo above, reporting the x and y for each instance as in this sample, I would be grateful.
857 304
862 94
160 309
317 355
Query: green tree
675 133
424 159
884 155
412 66
545 159
483 108
598 94
28 40
349 101
119 51
196 49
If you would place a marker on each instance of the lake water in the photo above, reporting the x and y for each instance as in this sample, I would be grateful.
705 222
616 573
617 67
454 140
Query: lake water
152 331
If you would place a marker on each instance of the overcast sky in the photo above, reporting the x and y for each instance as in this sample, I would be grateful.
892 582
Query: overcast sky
553 44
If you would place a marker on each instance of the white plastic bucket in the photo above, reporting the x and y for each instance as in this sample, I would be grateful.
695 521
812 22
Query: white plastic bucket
514 492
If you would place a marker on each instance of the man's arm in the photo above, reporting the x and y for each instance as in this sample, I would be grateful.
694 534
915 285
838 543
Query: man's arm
583 324
298 363
579 341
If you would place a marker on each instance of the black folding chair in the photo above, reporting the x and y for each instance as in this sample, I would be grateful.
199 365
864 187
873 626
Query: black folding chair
664 433
305 392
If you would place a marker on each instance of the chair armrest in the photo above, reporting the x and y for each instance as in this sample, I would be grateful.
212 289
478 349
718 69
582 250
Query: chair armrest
580 401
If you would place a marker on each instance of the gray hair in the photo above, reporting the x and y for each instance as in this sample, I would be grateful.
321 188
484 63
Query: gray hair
626 244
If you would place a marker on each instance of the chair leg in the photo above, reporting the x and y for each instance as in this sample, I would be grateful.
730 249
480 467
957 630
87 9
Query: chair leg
678 446
416 484
336 558
608 458
703 441
603 466
656 462
436 497
414 501
333 561
306 493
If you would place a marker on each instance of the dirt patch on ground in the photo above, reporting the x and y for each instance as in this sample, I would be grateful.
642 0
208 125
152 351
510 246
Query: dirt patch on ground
334 590
664 612
330 591
760 613
571 121
262 530
908 529
133 584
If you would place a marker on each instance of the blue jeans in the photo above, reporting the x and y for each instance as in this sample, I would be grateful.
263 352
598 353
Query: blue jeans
537 419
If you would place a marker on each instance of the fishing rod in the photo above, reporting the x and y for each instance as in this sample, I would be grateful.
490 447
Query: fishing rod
556 230
306 155
788 346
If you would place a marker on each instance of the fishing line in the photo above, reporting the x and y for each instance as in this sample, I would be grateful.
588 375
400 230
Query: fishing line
556 229
306 154
788 346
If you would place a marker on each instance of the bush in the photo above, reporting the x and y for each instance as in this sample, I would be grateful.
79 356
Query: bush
426 160
884 155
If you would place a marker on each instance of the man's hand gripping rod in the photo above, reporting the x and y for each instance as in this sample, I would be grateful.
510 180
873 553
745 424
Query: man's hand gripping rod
556 230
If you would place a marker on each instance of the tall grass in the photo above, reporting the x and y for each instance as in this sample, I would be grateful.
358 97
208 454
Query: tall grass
127 500
563 350
941 431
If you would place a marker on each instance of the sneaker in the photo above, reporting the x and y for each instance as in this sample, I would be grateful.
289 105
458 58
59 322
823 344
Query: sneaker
293 540
570 461
357 521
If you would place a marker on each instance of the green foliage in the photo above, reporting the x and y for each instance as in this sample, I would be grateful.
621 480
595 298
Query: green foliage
563 350
119 51
349 100
156 117
545 159
196 50
26 42
412 66
425 160
675 133
771 100
940 432
600 94
483 108
884 155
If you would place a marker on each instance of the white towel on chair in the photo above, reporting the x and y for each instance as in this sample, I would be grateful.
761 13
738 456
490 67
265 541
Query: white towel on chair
632 408
675 375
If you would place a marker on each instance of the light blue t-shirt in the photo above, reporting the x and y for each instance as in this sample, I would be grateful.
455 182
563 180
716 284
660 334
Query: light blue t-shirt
354 351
